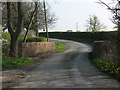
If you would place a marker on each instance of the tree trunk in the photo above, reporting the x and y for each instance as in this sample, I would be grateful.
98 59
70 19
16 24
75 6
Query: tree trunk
25 37
36 27
45 20
13 47
36 32
14 35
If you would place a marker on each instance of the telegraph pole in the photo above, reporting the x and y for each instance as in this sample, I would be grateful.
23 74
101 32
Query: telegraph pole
77 26
45 20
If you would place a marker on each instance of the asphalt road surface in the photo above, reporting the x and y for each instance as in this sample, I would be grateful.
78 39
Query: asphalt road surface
69 69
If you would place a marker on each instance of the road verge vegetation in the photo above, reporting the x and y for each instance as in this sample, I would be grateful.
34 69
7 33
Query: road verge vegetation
12 63
59 47
111 67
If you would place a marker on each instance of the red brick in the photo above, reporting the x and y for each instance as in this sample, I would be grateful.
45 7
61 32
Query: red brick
31 49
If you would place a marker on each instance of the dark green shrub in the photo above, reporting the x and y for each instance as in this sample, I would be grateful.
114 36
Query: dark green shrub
6 45
31 39
36 39
85 37
6 36
6 50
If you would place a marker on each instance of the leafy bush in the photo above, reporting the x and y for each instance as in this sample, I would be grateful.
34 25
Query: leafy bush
36 39
6 46
109 66
6 36
8 62
31 39
6 49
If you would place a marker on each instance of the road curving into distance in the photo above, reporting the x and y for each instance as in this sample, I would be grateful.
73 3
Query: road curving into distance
68 69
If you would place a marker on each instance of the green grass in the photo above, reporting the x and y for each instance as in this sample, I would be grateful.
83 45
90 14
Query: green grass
59 47
10 63
111 67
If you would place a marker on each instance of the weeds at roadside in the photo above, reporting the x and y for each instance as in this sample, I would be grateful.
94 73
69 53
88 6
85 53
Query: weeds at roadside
111 67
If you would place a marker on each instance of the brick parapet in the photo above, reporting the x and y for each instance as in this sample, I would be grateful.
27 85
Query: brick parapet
105 49
32 49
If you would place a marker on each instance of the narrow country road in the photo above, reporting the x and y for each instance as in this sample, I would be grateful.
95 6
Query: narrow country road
69 69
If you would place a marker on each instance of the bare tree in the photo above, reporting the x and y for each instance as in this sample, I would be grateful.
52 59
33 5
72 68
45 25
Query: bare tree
31 19
28 8
93 24
116 19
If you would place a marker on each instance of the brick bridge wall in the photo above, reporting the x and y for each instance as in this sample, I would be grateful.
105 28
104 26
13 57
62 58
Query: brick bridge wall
32 49
105 49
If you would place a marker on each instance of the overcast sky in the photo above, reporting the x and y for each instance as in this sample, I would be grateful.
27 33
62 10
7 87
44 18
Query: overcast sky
70 12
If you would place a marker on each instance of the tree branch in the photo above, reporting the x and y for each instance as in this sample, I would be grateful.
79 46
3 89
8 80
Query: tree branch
31 19
101 2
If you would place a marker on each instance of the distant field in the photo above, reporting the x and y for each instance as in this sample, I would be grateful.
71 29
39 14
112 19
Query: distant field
85 37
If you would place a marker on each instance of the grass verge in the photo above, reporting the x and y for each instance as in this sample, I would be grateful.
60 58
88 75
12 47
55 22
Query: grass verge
59 47
10 63
111 67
